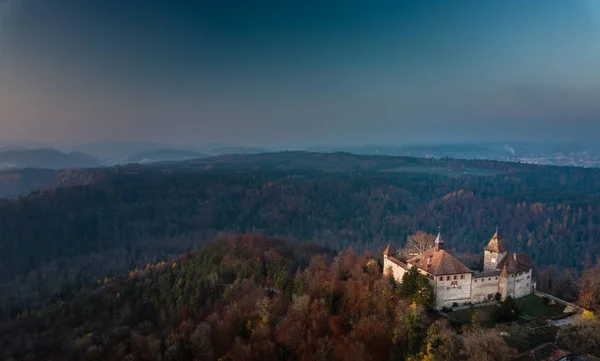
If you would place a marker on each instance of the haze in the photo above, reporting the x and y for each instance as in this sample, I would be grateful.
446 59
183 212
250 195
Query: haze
304 72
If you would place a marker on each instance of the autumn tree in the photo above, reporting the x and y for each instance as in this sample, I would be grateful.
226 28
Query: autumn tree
419 242
589 285
583 336
485 344
443 343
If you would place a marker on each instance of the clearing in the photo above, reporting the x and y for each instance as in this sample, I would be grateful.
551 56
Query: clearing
534 307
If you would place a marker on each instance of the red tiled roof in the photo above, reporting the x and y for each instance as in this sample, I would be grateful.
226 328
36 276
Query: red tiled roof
398 262
496 244
438 263
389 250
515 263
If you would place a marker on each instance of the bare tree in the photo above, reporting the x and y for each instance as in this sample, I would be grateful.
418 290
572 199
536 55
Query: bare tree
486 345
419 242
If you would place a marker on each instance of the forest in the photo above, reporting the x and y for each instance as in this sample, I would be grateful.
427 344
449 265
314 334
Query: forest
251 297
98 223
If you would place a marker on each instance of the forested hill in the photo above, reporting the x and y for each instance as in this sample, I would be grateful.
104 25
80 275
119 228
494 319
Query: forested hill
129 216
247 297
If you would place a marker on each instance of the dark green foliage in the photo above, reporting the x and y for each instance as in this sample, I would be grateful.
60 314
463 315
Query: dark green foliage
508 311
416 287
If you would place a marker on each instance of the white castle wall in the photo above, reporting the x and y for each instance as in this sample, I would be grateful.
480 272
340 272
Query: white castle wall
491 260
447 293
482 287
522 284
396 270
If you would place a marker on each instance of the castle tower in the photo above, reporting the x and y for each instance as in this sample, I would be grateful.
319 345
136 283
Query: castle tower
389 251
494 252
439 242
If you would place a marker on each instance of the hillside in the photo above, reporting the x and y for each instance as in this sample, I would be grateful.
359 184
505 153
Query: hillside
105 221
164 155
249 297
45 158
243 297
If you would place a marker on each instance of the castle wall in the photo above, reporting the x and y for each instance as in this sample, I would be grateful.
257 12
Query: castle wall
482 288
452 289
522 284
491 260
397 270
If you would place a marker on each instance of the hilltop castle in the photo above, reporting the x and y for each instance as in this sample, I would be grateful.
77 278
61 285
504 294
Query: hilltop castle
504 273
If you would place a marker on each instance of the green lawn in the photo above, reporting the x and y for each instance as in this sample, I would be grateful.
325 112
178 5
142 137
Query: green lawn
534 307
447 171
484 313
525 335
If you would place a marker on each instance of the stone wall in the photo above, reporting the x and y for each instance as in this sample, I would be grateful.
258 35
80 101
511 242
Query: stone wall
452 289
522 284
491 260
483 287
397 270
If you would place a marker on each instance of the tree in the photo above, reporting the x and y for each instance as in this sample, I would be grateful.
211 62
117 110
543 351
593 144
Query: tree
409 284
582 336
589 285
419 242
443 343
486 344
508 310
417 288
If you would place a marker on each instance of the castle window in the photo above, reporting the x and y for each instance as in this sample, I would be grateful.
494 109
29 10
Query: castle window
455 277
462 277
496 277
475 281
489 279
454 284
441 278
447 278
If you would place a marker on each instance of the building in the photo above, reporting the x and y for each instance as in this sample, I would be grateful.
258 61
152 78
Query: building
551 352
503 272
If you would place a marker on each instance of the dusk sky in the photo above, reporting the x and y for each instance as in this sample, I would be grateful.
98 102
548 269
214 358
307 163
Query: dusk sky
299 72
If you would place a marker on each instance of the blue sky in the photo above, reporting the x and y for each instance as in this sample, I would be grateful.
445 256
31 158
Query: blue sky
305 72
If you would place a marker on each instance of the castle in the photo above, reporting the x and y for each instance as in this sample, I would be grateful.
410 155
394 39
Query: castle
504 273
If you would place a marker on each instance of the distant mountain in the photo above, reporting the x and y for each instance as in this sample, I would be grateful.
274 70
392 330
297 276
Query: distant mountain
164 155
237 150
46 158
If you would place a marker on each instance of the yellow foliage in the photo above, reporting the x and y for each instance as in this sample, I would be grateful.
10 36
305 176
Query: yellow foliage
588 315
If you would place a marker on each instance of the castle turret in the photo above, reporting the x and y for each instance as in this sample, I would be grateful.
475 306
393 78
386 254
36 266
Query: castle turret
494 252
439 242
389 251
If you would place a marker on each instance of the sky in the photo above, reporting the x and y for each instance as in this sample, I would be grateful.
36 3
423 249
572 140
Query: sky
308 72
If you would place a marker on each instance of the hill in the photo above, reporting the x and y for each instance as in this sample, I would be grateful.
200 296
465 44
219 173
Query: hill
242 297
107 220
46 158
164 155
249 297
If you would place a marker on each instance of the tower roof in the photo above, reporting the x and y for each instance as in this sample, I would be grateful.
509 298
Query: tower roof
439 239
515 263
389 250
496 244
